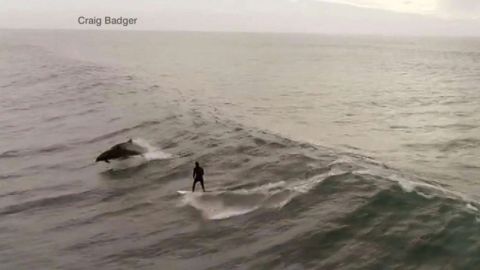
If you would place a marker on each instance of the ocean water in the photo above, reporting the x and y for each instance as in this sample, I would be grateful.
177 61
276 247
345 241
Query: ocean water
320 152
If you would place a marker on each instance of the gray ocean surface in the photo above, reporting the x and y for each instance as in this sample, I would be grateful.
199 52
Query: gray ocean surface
320 152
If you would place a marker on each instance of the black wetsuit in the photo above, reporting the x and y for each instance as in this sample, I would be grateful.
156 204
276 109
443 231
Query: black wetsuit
198 177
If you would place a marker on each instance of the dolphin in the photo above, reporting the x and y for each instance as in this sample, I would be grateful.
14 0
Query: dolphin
121 151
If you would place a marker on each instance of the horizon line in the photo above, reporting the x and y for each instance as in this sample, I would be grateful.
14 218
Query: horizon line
245 32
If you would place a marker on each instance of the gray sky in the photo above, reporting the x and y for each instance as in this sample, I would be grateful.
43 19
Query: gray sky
387 17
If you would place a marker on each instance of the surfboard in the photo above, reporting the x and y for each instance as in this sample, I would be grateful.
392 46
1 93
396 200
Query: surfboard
183 192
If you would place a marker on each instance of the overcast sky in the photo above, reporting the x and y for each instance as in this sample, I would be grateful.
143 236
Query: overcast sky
387 17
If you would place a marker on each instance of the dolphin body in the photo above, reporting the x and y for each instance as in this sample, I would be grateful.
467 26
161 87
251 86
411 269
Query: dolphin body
121 151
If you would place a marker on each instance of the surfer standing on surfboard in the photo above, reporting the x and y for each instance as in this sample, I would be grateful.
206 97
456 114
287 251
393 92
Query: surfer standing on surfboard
197 176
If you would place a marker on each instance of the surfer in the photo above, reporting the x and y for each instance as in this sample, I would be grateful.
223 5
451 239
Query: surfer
198 176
